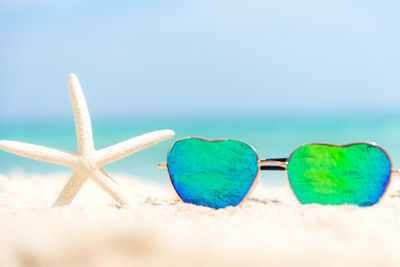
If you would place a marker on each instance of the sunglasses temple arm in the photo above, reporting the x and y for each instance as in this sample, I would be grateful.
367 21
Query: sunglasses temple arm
276 164
162 166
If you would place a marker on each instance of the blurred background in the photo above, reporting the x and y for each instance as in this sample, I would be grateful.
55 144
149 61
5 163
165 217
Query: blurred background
276 74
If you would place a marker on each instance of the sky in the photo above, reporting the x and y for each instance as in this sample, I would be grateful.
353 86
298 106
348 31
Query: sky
137 58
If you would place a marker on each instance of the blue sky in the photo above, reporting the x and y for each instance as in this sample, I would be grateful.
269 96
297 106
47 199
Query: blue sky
194 57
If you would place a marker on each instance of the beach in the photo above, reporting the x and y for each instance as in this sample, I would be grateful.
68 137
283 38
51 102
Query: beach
276 75
270 229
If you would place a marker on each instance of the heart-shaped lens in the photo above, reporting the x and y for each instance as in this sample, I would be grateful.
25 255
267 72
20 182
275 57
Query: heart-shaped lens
355 174
216 174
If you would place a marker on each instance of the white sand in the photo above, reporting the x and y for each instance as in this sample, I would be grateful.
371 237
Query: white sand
270 229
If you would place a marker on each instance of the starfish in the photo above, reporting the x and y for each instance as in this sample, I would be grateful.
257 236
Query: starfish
87 163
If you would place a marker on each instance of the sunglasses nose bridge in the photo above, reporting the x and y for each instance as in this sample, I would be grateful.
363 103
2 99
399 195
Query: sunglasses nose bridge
396 172
273 164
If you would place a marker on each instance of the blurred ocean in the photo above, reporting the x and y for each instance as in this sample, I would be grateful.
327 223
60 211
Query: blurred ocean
271 135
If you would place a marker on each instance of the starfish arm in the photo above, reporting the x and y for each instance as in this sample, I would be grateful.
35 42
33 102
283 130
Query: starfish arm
83 123
112 188
38 152
123 149
70 190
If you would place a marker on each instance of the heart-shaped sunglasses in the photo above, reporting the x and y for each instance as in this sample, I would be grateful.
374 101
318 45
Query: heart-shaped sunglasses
222 173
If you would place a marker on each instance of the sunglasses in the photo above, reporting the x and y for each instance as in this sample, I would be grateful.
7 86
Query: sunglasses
222 173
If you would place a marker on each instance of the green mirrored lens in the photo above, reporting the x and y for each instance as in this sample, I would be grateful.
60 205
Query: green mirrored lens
356 174
216 174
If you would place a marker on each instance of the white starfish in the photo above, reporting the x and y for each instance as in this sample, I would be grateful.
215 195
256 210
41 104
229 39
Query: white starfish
87 162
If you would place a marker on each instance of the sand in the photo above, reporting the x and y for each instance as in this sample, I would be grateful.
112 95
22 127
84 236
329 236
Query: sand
270 229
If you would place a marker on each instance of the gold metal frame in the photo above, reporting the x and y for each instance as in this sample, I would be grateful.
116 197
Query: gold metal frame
165 165
272 163
392 172
282 164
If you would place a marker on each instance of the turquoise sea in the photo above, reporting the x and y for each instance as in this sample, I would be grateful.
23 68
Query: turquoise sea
272 136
